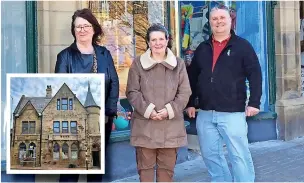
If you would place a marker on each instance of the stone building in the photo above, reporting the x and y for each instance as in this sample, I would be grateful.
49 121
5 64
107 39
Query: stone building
56 130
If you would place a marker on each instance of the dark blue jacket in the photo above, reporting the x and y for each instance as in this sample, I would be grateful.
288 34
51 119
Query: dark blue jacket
224 89
70 60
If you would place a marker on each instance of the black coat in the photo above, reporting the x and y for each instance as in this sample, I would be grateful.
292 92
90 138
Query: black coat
70 60
224 89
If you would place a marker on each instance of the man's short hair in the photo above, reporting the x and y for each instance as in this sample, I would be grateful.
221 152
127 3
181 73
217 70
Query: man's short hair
219 7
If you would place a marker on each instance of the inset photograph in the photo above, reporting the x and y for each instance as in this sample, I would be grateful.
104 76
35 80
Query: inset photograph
56 123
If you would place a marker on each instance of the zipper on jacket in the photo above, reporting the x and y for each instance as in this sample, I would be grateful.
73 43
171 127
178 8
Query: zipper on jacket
211 79
224 49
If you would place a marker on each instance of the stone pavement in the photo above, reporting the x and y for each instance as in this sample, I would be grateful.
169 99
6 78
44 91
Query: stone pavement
274 161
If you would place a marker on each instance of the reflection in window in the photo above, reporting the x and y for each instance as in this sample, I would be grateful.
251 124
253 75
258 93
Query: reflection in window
56 151
73 127
65 151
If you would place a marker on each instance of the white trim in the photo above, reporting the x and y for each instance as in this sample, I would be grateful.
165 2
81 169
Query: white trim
170 111
149 110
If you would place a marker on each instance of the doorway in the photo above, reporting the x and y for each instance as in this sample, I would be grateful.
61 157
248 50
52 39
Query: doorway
96 159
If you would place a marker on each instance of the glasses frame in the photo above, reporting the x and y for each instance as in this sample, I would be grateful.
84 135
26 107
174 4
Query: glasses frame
85 28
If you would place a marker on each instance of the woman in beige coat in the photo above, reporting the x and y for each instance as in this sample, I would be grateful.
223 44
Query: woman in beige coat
158 89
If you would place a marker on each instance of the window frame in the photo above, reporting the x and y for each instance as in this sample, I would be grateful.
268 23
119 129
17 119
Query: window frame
70 102
72 128
65 128
64 105
65 145
56 127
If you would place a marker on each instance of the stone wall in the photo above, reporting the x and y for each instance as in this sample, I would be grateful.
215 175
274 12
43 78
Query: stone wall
54 30
28 114
289 103
51 114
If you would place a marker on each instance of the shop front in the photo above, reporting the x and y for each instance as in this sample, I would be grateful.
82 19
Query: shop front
28 45
125 24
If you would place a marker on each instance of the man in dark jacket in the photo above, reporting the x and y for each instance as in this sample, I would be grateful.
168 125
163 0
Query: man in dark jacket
217 75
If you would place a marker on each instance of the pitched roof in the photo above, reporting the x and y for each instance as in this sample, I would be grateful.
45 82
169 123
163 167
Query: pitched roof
90 102
38 102
64 84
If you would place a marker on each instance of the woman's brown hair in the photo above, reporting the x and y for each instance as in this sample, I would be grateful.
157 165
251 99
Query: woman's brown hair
88 15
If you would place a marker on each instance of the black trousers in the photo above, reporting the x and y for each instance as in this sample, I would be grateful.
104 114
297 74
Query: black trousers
92 177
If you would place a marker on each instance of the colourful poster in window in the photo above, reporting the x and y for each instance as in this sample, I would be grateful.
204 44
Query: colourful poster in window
195 27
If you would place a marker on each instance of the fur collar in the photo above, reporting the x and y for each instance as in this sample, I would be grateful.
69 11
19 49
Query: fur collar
148 63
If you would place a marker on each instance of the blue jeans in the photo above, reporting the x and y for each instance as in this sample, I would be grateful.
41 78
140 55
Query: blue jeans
214 128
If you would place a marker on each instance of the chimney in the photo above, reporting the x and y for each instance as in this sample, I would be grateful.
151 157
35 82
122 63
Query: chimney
49 91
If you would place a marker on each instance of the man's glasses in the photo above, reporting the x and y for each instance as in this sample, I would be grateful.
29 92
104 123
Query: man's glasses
85 28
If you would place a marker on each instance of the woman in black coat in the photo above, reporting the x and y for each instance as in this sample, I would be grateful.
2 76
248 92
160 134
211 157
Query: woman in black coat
84 55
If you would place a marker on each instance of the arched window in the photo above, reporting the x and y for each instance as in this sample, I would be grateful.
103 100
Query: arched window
56 151
22 150
32 149
74 151
65 151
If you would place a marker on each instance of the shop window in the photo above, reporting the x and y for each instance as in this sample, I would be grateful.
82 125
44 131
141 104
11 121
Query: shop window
22 151
125 24
248 21
74 151
32 150
65 151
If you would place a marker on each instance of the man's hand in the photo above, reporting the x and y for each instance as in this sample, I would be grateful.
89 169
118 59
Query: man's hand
190 112
163 113
251 111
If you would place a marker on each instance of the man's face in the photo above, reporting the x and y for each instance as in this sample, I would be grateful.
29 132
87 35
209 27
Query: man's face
220 21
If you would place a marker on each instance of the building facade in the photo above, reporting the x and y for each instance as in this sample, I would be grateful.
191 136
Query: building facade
56 131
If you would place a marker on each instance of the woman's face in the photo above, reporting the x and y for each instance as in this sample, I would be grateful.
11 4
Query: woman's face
83 30
158 42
